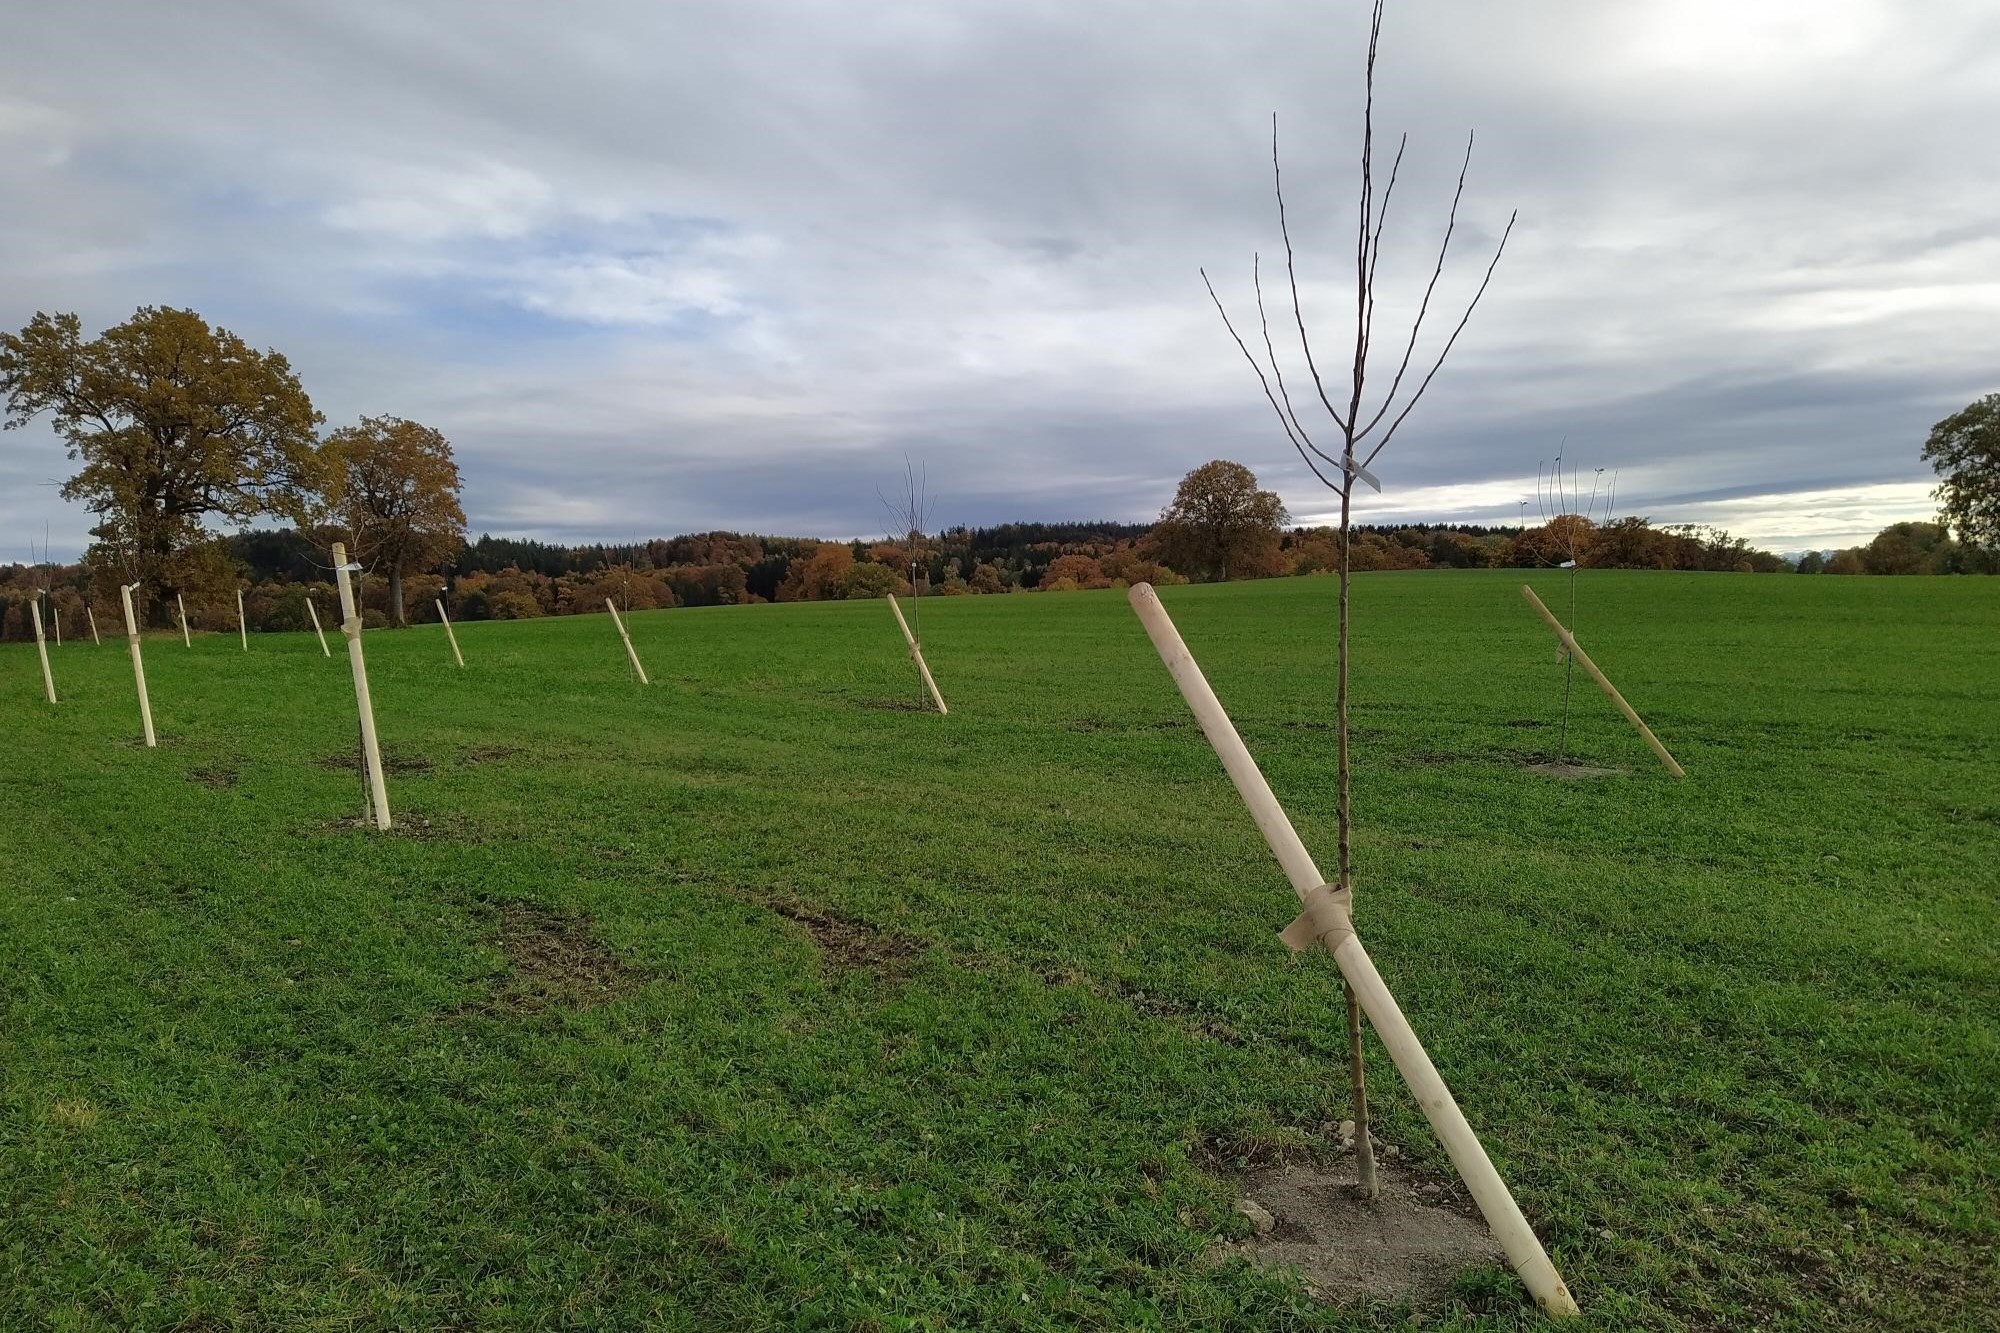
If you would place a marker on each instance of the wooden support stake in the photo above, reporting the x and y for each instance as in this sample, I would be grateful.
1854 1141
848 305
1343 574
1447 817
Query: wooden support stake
313 611
917 653
1569 645
93 625
371 748
456 656
55 614
242 624
138 663
1524 1250
178 601
42 647
629 652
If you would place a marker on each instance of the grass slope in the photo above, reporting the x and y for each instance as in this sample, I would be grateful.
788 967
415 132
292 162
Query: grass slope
567 1053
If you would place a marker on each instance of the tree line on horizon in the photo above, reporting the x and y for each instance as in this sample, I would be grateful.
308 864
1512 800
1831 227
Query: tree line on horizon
177 424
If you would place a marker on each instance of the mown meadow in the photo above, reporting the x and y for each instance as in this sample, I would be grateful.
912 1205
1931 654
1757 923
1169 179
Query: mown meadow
760 998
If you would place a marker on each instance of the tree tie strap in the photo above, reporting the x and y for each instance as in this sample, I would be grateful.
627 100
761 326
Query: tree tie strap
350 628
1323 916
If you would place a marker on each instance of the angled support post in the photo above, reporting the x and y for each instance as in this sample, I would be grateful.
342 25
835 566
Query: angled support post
182 604
1324 918
630 652
456 656
1569 645
917 654
138 663
313 611
371 748
42 647
242 623
93 624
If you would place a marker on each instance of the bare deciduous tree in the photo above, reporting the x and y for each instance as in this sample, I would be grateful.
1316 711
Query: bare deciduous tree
1354 426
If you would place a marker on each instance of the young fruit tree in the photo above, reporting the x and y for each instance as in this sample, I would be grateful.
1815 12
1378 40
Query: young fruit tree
1357 416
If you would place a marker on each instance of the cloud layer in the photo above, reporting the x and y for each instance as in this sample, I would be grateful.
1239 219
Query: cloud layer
666 267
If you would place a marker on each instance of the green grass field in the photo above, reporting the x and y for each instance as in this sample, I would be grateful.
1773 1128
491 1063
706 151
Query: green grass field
758 999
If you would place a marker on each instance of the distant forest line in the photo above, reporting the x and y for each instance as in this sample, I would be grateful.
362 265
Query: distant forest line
510 578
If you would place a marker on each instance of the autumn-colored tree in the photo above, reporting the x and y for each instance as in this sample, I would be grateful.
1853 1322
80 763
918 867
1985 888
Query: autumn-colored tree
865 578
174 422
395 490
1965 450
818 577
1067 573
1220 524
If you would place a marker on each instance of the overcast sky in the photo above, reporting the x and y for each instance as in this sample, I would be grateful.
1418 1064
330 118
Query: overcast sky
664 266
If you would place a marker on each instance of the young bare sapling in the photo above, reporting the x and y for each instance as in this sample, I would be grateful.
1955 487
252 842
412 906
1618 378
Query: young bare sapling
630 651
1569 521
371 747
125 592
456 656
1354 426
313 611
909 515
1326 919
42 647
917 655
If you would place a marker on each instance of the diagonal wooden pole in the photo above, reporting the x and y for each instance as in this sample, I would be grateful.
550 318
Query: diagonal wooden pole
242 623
313 611
923 667
456 656
630 652
93 625
42 647
138 663
180 602
1569 645
371 747
1324 919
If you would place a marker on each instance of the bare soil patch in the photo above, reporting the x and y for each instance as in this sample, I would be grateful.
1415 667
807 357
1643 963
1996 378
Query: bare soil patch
488 754
896 705
393 763
556 960
409 824
213 777
1403 1248
849 944
1570 769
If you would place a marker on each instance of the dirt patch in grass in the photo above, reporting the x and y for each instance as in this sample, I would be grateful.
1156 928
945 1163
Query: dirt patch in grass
409 824
393 763
1192 1017
1569 769
849 944
555 960
213 777
896 705
488 754
1404 1247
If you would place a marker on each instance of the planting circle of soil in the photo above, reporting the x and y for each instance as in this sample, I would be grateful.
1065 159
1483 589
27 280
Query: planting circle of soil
1398 1248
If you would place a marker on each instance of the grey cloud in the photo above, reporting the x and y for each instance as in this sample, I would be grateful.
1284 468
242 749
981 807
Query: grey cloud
1757 252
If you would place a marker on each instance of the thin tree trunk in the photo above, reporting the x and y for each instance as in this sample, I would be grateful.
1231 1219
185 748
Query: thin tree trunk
396 591
1364 1143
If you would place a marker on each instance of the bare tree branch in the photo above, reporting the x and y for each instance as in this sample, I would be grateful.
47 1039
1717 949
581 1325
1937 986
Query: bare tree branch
1259 371
1445 351
1292 273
